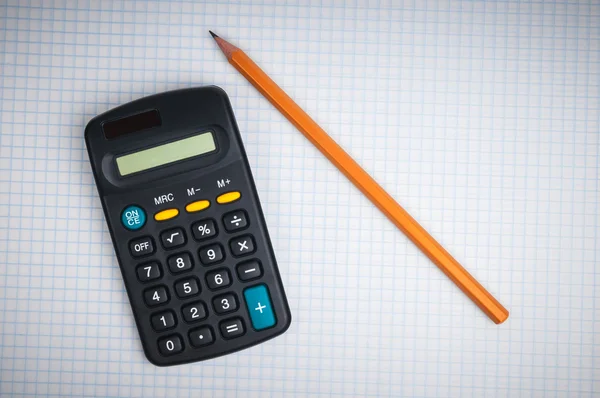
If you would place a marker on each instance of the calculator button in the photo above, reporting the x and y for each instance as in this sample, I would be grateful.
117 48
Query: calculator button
225 303
165 215
201 336
148 272
141 247
156 296
218 279
258 303
242 245
170 345
133 217
228 197
163 321
211 254
198 205
194 312
249 270
204 229
235 221
180 262
231 328
187 287
172 238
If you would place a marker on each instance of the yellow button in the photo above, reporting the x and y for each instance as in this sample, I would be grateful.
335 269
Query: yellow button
166 214
197 206
228 197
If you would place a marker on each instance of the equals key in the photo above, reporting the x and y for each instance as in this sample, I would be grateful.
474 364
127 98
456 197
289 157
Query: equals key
232 328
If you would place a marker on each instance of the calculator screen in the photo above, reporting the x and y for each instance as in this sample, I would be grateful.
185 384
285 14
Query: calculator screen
167 153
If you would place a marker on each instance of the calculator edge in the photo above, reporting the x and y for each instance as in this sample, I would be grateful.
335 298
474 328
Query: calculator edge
282 325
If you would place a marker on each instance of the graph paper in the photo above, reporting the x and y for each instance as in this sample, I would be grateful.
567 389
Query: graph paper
481 118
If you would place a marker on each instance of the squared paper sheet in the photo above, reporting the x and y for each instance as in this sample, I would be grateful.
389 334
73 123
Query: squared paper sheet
481 118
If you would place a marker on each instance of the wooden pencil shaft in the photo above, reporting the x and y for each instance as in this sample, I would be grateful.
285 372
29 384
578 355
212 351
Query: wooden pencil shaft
364 182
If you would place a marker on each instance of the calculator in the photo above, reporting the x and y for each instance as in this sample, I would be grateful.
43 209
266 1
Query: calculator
187 225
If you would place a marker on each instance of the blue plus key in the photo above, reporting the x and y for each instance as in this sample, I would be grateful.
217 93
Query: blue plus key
133 217
259 307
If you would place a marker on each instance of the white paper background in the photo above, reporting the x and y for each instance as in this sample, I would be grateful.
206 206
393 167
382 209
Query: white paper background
481 118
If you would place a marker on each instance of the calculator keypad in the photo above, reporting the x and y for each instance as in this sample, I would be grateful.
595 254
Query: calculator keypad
197 298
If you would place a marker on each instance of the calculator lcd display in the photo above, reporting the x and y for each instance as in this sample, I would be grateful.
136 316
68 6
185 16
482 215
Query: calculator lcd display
164 154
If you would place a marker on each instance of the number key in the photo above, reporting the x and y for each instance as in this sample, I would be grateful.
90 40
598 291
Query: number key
163 321
180 262
225 303
187 287
194 312
211 254
170 345
156 296
218 279
148 272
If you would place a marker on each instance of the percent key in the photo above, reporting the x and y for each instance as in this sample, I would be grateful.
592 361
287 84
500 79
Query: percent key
204 229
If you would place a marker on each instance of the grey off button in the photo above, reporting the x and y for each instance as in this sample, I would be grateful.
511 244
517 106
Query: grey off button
141 246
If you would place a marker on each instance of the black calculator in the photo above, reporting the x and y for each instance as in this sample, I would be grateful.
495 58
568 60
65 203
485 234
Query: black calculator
187 225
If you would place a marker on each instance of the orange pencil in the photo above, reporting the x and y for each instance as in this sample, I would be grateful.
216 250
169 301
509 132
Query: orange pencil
363 181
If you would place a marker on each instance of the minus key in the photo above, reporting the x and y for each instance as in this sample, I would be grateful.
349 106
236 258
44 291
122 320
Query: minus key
249 270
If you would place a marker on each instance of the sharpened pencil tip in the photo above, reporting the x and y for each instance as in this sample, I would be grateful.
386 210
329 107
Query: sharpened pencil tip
227 48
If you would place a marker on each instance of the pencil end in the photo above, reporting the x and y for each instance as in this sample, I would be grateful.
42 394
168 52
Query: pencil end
214 35
500 317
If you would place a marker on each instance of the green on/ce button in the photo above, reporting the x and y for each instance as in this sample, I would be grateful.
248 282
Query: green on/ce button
133 217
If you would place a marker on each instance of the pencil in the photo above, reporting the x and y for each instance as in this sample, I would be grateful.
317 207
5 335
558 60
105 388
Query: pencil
363 181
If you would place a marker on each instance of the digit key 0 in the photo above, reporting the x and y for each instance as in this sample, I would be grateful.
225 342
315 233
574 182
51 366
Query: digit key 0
187 226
